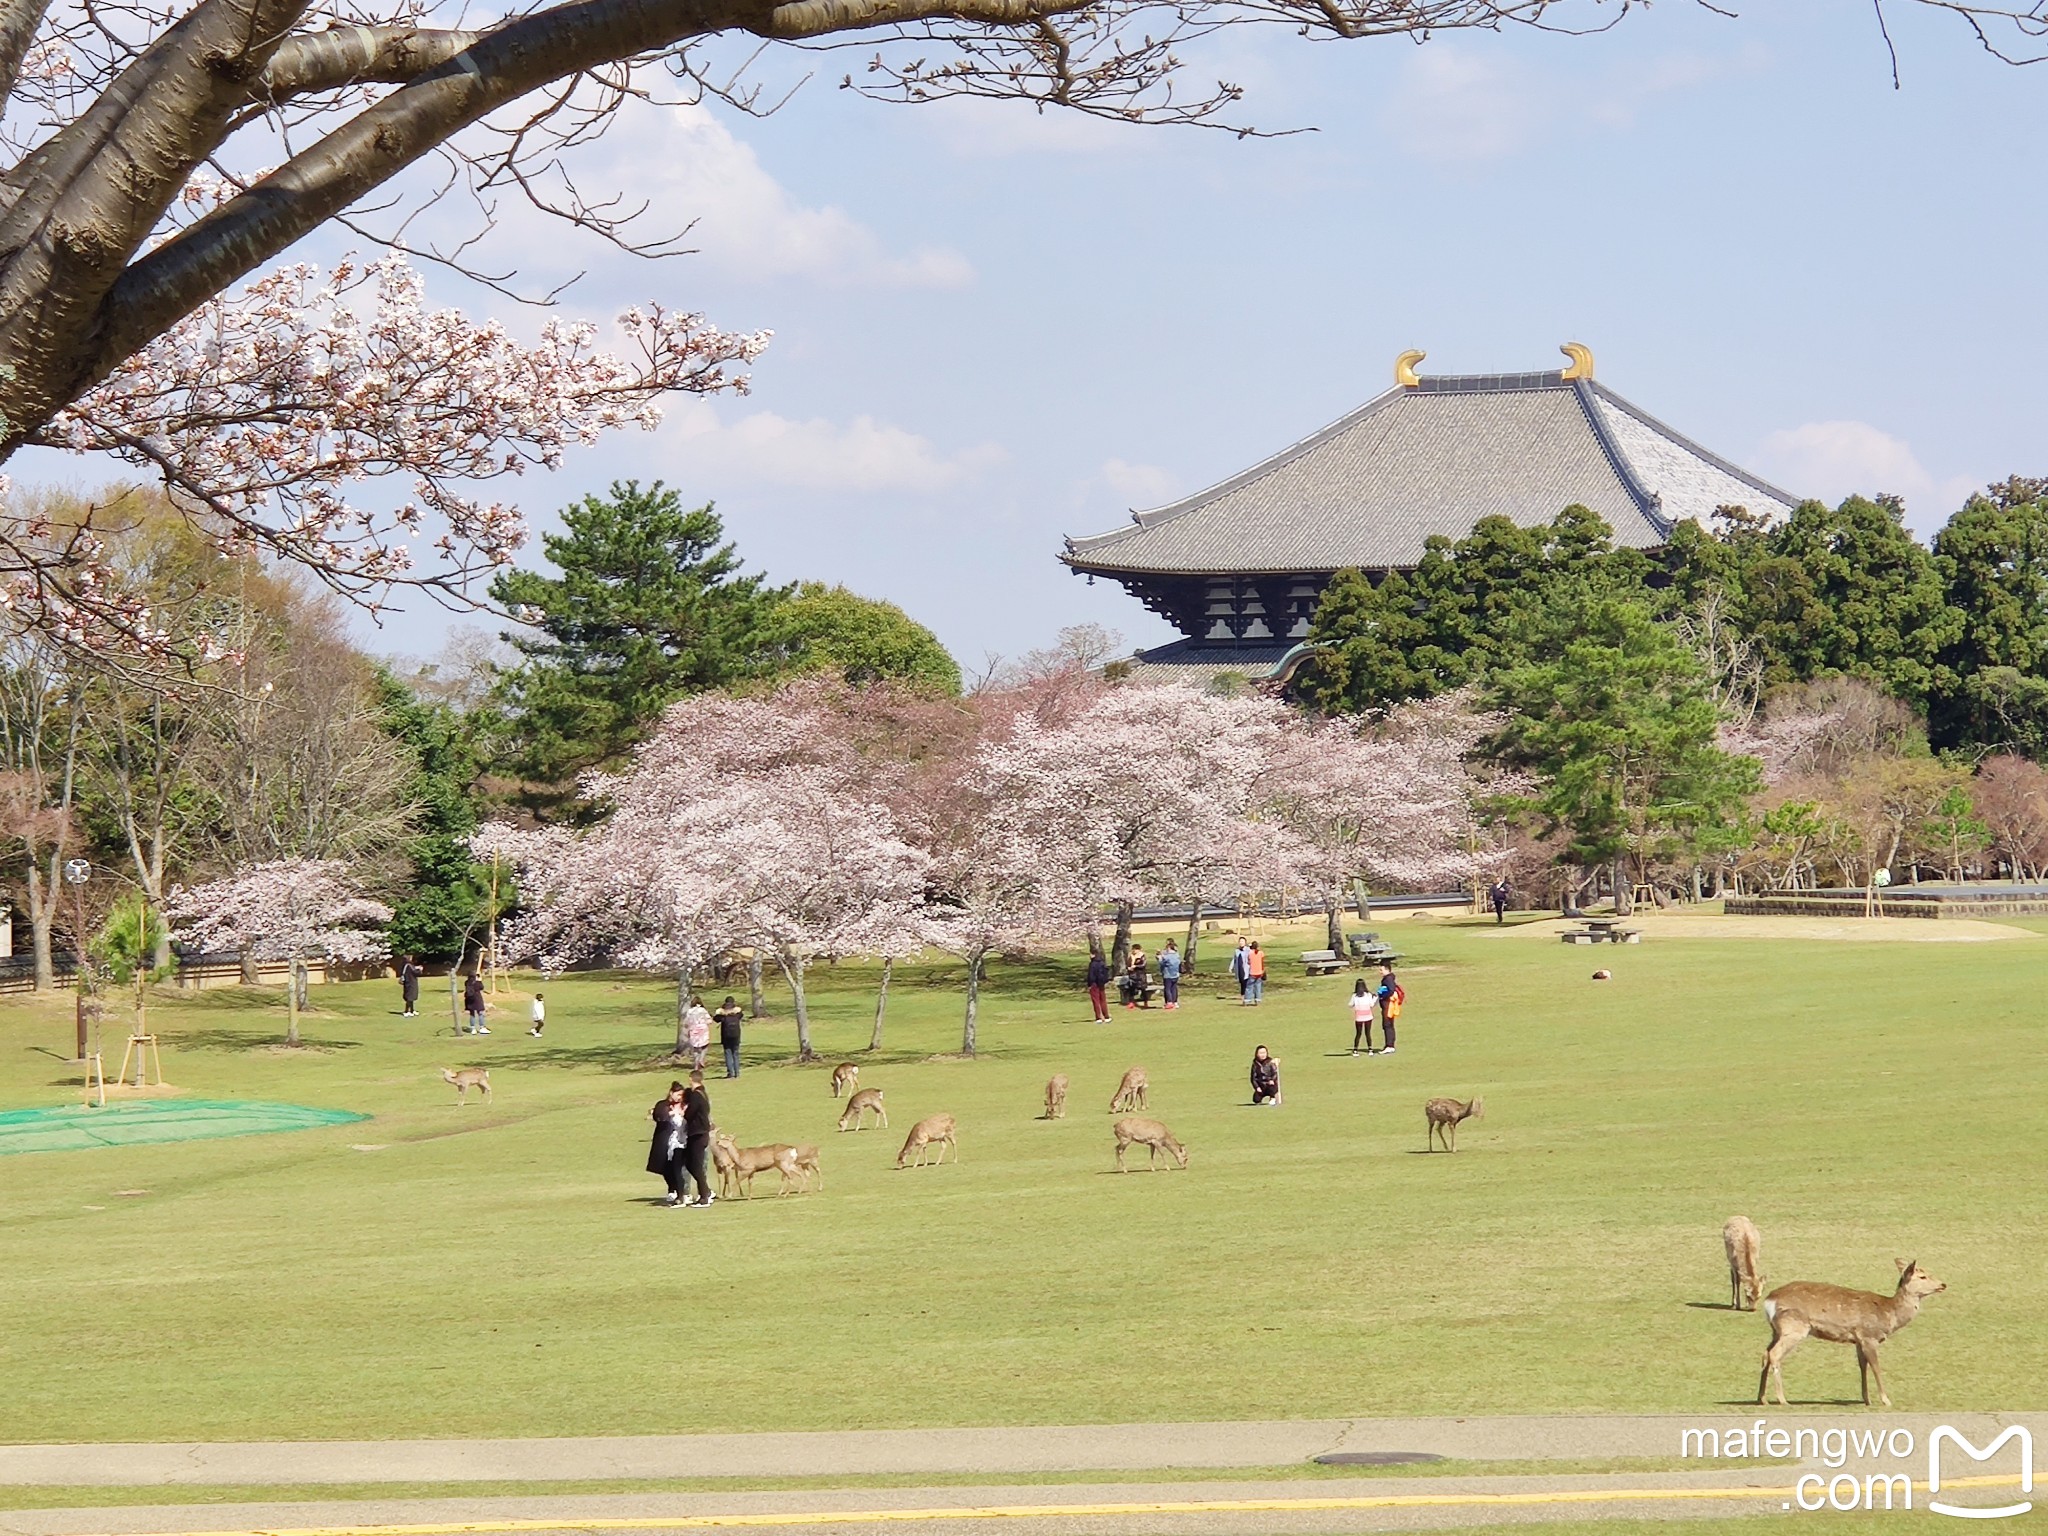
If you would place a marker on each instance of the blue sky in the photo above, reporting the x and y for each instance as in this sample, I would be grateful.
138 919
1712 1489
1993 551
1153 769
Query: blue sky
994 328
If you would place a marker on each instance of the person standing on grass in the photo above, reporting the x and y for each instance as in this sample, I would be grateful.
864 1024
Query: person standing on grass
1169 975
409 986
697 1033
1500 900
1241 968
540 1015
1098 985
665 1153
697 1135
1265 1078
1362 1001
1138 983
474 1005
1391 997
1255 974
731 1017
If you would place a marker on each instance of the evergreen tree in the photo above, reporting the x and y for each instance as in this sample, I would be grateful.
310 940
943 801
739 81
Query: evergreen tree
1993 559
830 629
444 906
650 605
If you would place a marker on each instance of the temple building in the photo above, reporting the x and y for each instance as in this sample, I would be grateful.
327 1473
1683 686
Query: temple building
1238 568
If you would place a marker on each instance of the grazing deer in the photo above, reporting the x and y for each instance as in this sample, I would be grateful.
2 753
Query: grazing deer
1056 1097
737 1165
1842 1316
1441 1119
845 1078
932 1128
854 1116
813 1171
1745 1247
1130 1093
1152 1136
466 1078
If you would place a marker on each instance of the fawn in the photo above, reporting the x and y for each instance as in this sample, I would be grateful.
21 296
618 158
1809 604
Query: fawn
1842 1316
808 1165
1441 1118
737 1165
932 1128
1745 1252
845 1078
1056 1097
854 1116
466 1078
1152 1136
1130 1093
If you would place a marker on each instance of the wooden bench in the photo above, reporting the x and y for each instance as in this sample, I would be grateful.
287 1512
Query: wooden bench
1323 962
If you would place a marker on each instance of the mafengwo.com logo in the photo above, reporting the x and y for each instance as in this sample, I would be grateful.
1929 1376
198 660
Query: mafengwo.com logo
1871 1468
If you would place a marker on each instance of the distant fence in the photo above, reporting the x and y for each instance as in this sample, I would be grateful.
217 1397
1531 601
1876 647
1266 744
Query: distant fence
195 972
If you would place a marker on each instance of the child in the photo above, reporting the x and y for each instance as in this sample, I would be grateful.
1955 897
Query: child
1391 998
540 1015
1361 1017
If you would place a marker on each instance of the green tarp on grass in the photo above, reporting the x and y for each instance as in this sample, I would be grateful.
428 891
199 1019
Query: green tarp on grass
75 1128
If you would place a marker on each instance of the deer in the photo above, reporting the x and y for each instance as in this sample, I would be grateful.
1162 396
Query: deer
845 1078
1441 1118
1745 1251
1130 1093
466 1078
932 1128
854 1116
1152 1136
808 1165
1842 1316
1056 1097
737 1165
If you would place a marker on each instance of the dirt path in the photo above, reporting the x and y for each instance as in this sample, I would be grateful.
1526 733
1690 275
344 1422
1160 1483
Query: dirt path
1862 930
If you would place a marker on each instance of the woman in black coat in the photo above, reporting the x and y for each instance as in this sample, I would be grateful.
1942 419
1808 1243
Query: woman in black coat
697 1136
665 1152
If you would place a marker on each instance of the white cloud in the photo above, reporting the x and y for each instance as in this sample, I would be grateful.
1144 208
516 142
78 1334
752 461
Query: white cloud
747 224
1140 485
865 455
1451 105
1832 460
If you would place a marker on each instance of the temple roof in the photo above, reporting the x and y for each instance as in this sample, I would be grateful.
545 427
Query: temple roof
1434 456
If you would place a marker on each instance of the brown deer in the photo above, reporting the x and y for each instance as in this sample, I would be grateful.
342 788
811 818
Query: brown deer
466 1078
1842 1316
1745 1247
845 1078
808 1165
1442 1117
931 1129
1056 1097
1152 1136
737 1165
1130 1093
854 1116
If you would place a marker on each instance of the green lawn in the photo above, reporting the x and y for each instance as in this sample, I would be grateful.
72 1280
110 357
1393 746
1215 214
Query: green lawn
440 1271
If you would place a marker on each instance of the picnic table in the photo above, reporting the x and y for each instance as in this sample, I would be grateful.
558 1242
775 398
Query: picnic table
1602 930
1323 962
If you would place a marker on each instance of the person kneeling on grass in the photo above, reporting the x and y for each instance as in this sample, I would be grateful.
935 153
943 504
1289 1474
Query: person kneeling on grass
1265 1077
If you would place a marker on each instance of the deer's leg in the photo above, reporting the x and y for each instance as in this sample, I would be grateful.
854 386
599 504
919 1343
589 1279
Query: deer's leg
1786 1334
1120 1168
1866 1356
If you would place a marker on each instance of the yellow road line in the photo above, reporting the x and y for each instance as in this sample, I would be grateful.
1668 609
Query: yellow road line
1054 1511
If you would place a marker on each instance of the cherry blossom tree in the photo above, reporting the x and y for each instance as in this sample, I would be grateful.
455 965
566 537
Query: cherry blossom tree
287 909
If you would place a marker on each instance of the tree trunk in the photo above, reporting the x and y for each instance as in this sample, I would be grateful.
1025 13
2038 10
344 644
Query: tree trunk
973 1003
1333 921
1624 895
1120 951
291 1004
757 1002
792 967
1362 894
455 994
1187 957
41 926
682 1012
251 977
881 1003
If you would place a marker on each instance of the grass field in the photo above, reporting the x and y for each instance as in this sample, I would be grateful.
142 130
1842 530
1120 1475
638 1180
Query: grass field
442 1271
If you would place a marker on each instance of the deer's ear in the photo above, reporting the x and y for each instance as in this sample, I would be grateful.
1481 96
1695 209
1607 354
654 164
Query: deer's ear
1904 1264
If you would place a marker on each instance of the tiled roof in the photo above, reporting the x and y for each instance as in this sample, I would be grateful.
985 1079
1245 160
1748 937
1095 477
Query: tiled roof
1183 661
1434 458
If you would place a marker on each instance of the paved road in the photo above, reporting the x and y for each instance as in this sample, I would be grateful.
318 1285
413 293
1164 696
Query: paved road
1223 1506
